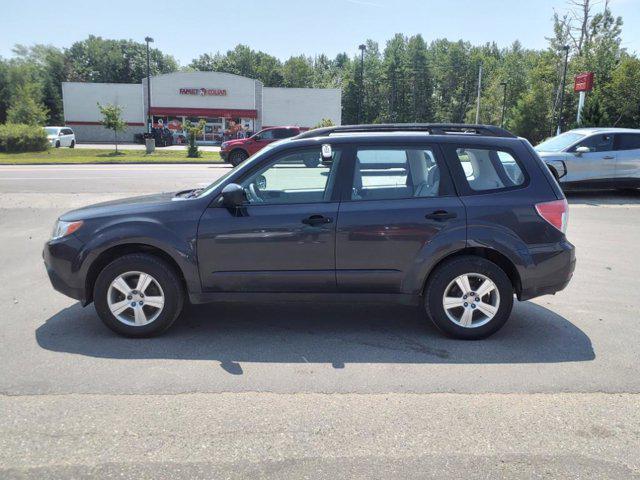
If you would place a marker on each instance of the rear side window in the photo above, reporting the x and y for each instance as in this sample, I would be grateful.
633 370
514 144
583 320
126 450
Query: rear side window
627 141
395 173
488 169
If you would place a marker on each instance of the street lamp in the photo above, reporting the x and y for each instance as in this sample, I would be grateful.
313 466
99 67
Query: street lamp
564 81
504 103
149 121
362 48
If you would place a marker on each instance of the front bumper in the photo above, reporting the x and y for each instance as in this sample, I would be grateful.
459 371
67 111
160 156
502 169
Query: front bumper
552 270
60 262
224 155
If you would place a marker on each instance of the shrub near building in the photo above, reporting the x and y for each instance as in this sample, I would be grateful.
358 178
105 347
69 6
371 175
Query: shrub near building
15 138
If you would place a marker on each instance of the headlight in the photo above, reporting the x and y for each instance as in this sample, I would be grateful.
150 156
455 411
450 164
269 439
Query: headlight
223 145
62 229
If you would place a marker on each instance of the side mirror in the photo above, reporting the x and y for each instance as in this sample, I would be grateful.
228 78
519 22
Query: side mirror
60 134
233 195
255 138
581 150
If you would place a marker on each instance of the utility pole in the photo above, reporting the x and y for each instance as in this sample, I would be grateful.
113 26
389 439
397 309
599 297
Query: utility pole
479 89
149 120
564 81
362 48
504 103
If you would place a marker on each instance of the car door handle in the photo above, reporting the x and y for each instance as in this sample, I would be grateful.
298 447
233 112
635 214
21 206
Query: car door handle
608 157
317 220
440 215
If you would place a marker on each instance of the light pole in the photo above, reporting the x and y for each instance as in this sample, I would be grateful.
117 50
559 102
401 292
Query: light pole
479 93
564 81
504 103
149 121
362 48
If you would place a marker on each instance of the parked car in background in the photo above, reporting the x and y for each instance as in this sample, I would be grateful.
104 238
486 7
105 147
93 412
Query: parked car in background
237 151
594 157
454 219
60 137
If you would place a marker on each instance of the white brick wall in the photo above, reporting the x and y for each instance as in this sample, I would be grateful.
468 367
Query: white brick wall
80 101
165 90
304 107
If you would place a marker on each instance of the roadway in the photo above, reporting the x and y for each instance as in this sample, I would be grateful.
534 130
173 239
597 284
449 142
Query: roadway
313 390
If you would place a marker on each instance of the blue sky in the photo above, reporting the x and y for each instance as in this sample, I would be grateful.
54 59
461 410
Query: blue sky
285 27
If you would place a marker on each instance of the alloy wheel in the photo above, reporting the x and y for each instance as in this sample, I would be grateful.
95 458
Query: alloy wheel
135 298
471 300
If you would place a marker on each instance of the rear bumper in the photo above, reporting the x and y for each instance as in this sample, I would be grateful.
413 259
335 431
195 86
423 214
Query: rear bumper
552 270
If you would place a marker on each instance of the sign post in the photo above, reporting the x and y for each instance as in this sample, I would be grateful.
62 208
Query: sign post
582 83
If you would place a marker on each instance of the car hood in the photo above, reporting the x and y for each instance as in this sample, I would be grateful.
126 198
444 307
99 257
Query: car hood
552 155
238 141
130 205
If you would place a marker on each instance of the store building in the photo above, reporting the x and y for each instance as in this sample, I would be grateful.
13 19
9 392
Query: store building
229 104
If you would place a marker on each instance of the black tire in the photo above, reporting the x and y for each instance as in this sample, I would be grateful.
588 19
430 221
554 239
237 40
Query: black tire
58 144
450 270
73 144
161 272
236 157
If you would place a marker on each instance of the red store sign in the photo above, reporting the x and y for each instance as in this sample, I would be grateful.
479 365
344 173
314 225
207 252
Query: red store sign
203 91
583 82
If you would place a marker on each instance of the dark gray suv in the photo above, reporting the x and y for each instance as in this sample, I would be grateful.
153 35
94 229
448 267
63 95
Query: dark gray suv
454 218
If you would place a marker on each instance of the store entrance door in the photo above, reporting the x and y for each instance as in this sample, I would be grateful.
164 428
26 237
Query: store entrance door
213 130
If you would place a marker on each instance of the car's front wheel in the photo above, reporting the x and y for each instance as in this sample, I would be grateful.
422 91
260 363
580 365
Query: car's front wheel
138 295
469 297
236 157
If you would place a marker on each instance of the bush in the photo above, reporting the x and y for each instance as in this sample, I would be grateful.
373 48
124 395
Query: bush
15 138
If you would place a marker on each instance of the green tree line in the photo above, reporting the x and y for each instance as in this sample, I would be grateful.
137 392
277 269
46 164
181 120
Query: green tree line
408 79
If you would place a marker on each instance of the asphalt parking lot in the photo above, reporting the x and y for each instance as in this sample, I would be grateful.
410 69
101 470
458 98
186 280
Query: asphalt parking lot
310 390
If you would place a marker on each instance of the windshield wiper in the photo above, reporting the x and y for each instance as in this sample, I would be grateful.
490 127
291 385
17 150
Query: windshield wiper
194 192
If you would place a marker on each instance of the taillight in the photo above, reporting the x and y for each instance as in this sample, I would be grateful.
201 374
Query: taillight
555 212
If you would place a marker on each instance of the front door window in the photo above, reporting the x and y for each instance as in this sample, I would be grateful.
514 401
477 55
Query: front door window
299 177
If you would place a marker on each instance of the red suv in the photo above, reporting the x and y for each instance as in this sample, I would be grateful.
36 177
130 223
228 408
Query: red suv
237 151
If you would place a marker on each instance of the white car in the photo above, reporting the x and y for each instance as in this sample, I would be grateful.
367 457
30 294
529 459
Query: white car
594 157
60 137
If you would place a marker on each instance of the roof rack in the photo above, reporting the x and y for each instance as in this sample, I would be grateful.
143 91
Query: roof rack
432 128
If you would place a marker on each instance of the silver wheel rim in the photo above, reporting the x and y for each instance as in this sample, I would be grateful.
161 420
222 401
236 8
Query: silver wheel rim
135 298
471 300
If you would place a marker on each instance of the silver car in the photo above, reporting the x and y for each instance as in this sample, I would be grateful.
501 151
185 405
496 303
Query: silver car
594 157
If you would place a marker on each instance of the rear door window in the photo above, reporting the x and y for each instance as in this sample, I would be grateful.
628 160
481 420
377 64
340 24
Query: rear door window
488 169
388 173
284 133
627 141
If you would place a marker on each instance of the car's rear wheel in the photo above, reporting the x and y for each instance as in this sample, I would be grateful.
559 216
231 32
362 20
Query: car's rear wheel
138 295
469 297
236 157
73 144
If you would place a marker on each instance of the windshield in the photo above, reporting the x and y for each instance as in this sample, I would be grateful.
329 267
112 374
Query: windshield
51 130
559 143
222 179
